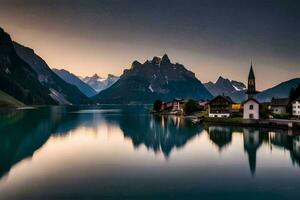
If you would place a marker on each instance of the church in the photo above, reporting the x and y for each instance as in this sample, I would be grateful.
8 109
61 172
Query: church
251 105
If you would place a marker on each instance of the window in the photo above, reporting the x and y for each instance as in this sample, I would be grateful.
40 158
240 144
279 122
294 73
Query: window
251 116
251 107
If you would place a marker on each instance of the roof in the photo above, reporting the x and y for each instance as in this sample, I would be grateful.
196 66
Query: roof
298 99
250 100
280 101
251 73
227 98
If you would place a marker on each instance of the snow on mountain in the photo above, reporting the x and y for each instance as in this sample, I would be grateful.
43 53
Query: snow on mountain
99 83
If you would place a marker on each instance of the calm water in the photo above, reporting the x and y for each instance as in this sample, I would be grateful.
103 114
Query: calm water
115 152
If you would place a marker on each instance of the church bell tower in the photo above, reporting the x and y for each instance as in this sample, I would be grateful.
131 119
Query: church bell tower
251 92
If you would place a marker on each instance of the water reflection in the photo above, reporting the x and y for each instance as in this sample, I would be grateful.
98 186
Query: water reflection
23 132
221 136
252 141
161 134
287 142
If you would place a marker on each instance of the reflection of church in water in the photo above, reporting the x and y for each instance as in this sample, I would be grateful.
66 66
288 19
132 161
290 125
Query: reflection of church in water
252 142
253 138
222 137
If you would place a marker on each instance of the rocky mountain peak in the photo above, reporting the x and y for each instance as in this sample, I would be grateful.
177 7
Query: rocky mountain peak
95 76
165 59
6 45
222 80
156 78
135 64
156 60
111 76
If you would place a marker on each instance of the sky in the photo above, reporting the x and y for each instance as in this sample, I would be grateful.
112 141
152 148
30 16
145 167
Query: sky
212 38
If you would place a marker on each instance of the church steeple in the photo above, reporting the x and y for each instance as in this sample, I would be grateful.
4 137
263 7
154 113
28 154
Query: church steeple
251 92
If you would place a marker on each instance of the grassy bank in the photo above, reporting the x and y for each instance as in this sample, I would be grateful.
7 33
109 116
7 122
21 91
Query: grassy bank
8 101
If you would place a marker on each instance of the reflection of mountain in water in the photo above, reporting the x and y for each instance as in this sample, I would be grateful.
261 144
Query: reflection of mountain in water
22 133
25 132
159 133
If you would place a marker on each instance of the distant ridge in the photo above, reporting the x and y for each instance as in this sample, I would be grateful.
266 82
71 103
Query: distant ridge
98 83
234 89
74 80
281 90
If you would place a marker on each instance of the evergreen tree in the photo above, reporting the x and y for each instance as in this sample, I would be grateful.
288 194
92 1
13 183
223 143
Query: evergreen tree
157 105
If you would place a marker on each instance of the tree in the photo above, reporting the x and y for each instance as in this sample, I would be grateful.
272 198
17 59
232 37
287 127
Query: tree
157 105
294 94
190 107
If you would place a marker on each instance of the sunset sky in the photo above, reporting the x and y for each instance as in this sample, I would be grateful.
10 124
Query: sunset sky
211 38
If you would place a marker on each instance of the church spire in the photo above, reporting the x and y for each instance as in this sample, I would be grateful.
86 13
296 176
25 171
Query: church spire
251 92
251 73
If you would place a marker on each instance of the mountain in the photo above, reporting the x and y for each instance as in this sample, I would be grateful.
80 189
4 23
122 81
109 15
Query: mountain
17 78
98 83
155 79
281 90
74 80
234 89
61 91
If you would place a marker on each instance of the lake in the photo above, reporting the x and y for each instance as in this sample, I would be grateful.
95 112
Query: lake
122 152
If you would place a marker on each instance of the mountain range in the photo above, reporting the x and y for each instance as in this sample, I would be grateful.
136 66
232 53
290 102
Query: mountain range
98 83
234 89
76 81
17 78
155 79
25 78
281 90
61 91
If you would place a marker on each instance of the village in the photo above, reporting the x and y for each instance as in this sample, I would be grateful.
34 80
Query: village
279 112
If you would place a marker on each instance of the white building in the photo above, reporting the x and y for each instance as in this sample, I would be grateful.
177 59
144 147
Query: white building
251 109
296 107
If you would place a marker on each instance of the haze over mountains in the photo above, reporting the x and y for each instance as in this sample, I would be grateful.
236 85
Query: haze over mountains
25 78
74 80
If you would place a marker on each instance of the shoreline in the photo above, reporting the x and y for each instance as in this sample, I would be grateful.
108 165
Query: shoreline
238 121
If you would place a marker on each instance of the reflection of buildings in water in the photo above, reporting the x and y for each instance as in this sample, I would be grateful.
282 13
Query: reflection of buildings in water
252 142
221 136
296 145
288 142
295 153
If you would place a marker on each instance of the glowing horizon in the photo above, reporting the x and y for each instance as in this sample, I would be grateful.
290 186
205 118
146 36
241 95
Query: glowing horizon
94 37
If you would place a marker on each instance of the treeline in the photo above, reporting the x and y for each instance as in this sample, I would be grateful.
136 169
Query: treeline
294 93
